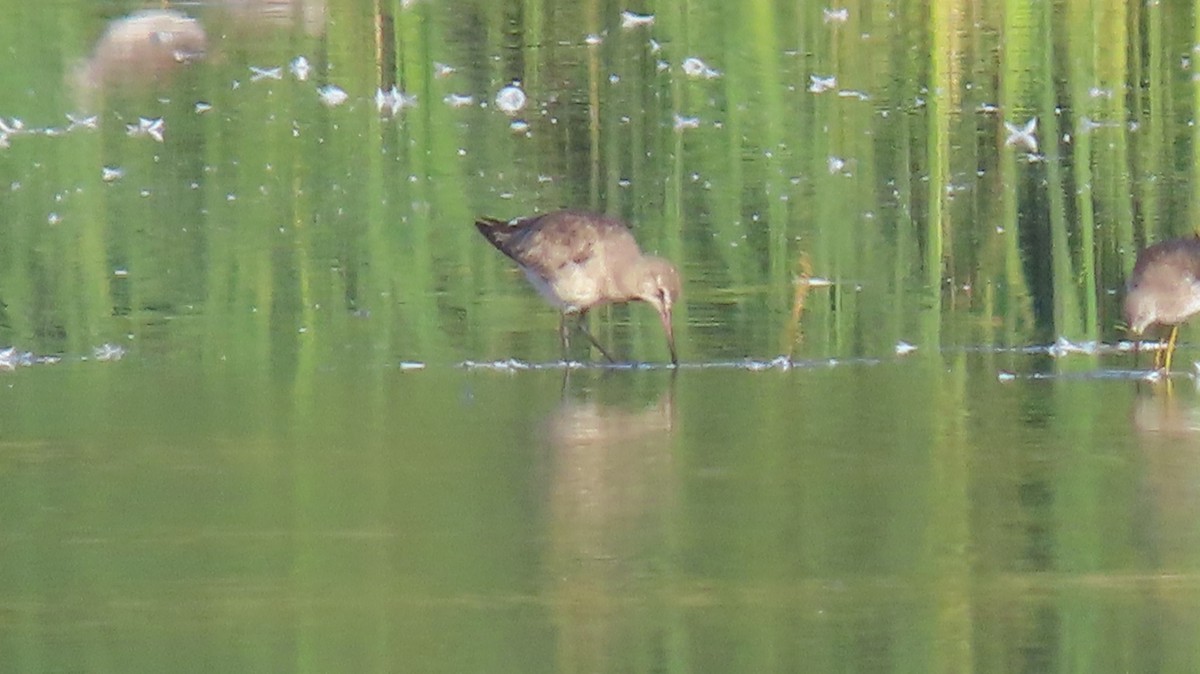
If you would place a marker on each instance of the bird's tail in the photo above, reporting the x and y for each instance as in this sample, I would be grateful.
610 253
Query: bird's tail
495 231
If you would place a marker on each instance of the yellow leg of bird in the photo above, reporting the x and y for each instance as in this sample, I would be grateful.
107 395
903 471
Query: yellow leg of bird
1170 349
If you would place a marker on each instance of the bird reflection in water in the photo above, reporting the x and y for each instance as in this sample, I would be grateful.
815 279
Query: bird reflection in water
143 49
613 481
150 48
1167 423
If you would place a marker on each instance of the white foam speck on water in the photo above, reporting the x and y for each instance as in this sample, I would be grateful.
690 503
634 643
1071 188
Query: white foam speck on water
108 352
332 95
510 365
819 84
835 15
1063 347
257 73
11 359
151 127
1141 346
694 67
458 100
634 20
1022 137
393 101
82 122
684 123
511 99
300 68
778 363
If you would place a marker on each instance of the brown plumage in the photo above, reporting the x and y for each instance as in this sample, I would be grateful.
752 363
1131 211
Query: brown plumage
579 260
1164 288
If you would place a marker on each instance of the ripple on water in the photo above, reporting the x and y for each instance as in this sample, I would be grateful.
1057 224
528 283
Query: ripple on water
779 363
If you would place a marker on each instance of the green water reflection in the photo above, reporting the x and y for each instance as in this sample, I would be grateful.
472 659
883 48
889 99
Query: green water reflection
283 431
461 520
263 207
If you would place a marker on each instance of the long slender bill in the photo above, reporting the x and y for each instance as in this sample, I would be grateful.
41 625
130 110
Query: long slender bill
665 315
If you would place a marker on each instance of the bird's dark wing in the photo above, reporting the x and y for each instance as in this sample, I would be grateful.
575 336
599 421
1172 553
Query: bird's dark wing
1176 256
549 242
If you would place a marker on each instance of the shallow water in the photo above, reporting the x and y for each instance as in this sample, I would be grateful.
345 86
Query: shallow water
269 402
557 518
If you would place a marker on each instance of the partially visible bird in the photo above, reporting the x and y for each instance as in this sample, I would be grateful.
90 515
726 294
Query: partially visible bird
579 260
1164 289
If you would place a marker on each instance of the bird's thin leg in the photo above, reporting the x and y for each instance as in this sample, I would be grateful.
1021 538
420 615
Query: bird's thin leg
564 334
1170 348
566 381
584 330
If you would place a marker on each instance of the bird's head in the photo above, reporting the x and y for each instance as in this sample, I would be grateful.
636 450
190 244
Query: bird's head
658 285
1140 310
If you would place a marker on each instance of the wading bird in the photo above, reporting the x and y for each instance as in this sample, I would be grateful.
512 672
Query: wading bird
579 261
1164 289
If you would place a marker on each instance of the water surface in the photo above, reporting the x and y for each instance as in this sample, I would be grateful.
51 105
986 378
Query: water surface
271 403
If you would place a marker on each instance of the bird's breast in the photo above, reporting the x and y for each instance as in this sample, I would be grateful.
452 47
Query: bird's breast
571 288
